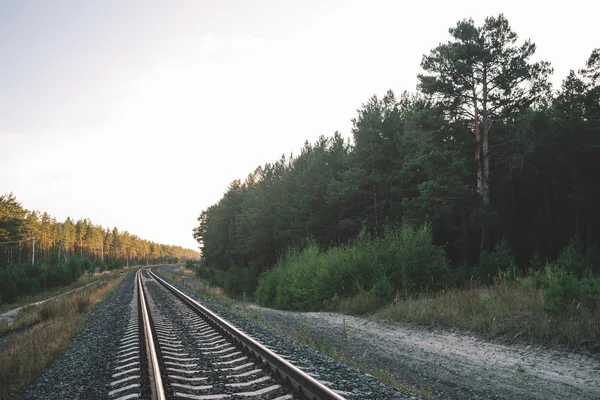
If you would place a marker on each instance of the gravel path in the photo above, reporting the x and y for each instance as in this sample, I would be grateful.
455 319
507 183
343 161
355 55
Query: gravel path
84 370
352 383
460 366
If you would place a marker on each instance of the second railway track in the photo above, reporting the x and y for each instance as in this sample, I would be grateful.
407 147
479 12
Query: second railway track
188 352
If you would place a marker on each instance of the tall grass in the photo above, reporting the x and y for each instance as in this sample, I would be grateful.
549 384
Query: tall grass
50 327
507 309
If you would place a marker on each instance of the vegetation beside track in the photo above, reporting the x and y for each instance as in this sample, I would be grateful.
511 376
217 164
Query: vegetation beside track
41 333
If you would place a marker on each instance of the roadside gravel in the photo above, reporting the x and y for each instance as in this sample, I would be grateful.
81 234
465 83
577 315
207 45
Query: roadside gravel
458 365
84 370
351 383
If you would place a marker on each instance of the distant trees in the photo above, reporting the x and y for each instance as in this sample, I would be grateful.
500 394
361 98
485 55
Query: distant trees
56 241
484 151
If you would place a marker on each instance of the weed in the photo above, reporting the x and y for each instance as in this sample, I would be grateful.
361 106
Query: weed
346 334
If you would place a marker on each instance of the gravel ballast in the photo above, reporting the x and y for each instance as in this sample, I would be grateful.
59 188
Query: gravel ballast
351 382
445 364
84 370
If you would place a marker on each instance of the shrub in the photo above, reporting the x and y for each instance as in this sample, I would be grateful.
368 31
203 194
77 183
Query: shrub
500 260
569 282
562 293
423 265
18 280
572 260
382 291
590 293
536 263
400 260
239 281
266 289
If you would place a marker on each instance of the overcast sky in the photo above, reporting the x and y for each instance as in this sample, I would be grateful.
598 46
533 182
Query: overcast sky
138 114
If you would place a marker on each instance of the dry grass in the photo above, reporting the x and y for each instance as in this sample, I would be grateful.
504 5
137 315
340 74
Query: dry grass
82 281
191 282
26 356
508 310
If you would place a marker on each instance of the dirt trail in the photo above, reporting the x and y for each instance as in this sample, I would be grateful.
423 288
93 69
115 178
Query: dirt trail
459 366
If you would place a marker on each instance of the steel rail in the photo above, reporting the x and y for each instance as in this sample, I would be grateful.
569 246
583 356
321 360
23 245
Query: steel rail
304 383
158 391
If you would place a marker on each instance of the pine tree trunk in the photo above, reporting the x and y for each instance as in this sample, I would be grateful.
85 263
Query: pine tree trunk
374 186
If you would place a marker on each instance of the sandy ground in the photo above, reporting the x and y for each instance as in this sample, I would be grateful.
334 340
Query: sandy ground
458 366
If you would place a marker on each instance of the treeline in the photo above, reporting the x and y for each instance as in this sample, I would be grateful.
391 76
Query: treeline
484 153
19 280
28 234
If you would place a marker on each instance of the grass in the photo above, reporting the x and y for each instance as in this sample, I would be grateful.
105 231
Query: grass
190 281
507 310
46 294
48 331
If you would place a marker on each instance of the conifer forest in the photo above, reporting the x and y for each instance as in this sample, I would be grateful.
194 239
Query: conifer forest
484 171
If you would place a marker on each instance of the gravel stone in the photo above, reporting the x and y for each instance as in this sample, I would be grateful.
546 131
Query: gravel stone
352 383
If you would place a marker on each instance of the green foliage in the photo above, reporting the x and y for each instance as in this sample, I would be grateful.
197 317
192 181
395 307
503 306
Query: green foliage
239 282
17 280
483 151
375 268
499 261
266 290
569 282
572 260
382 291
562 293
536 263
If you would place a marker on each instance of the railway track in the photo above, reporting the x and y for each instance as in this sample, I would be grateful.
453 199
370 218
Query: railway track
175 348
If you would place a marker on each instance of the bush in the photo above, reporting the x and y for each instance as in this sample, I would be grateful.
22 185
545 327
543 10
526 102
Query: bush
400 260
569 282
499 261
572 260
536 264
266 289
382 292
17 280
562 293
423 265
590 293
240 281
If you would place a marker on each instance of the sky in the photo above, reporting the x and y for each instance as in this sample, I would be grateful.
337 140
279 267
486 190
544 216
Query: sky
138 114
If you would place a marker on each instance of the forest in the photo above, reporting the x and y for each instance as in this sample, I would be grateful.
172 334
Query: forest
38 252
484 170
